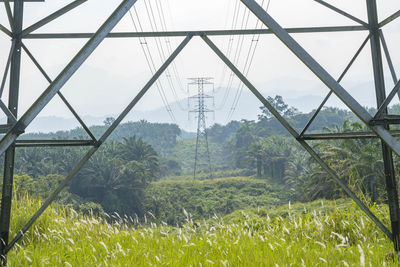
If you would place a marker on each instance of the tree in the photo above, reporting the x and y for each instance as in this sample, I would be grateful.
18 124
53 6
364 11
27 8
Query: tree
133 149
280 106
108 121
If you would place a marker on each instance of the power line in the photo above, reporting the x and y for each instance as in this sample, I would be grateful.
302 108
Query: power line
248 63
160 48
169 48
238 51
150 63
228 53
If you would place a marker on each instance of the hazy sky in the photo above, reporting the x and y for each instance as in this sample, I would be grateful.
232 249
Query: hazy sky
117 70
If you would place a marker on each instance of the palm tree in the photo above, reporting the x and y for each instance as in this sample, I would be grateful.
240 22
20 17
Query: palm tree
133 149
356 161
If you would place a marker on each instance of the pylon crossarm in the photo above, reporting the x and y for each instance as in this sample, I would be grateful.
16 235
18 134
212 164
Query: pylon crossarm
103 138
78 118
293 132
65 75
322 74
330 92
389 19
52 17
388 58
7 68
341 12
5 30
9 15
195 33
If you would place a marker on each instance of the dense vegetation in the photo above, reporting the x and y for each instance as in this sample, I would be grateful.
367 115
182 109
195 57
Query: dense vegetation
121 176
139 187
323 233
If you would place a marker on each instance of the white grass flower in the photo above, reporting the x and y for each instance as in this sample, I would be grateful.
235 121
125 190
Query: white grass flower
344 263
28 259
104 245
210 261
321 244
323 260
362 256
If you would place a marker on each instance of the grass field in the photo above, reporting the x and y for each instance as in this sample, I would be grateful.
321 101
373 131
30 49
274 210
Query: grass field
321 233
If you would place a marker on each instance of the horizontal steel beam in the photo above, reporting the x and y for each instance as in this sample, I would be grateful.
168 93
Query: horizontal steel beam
194 33
352 135
52 16
50 143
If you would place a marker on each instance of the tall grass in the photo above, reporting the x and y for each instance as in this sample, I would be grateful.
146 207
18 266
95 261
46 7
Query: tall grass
327 235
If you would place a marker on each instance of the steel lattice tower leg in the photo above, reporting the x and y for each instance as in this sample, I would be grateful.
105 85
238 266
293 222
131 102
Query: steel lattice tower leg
7 189
390 178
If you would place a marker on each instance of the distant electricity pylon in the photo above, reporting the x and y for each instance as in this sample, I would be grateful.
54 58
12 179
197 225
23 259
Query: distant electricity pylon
201 110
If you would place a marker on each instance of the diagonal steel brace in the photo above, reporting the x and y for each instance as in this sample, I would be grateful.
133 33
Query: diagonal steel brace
52 17
293 132
323 75
65 75
103 138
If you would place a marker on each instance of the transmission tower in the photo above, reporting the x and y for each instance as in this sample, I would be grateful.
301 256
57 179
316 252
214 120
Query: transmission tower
201 110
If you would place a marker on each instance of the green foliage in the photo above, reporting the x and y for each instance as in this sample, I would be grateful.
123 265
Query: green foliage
117 176
325 236
203 199
91 209
161 136
42 187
